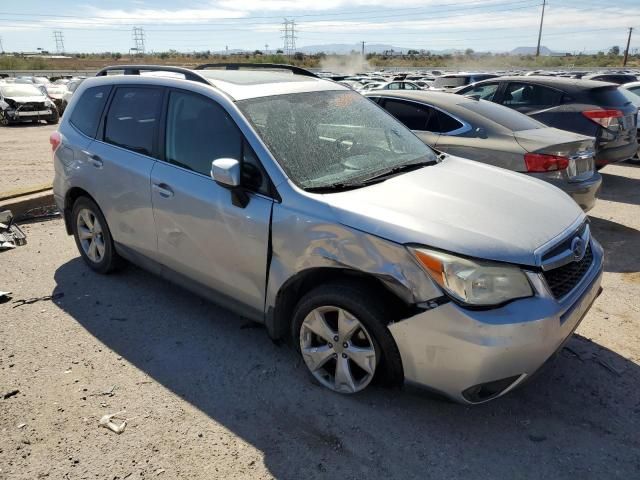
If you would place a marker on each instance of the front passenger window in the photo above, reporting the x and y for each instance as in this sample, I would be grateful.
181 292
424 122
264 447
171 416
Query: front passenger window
198 132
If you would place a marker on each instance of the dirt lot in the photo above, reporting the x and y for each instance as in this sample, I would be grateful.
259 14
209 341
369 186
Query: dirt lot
209 396
25 156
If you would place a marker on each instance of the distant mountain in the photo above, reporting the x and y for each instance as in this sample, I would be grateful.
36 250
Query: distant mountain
544 51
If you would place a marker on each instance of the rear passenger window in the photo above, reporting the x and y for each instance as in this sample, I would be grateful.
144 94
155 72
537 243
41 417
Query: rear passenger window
445 123
413 115
86 114
133 118
524 95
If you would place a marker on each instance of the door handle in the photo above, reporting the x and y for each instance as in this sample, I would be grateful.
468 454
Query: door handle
163 190
94 159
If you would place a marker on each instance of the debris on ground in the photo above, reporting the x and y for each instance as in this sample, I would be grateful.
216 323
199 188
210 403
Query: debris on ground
11 393
107 422
10 234
29 301
40 213
5 297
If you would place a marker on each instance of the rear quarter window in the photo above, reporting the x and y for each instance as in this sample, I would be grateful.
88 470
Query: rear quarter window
88 110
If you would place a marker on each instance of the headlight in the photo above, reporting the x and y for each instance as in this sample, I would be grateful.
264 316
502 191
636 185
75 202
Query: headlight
49 103
474 282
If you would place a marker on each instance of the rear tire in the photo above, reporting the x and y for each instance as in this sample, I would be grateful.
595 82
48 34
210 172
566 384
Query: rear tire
93 237
340 328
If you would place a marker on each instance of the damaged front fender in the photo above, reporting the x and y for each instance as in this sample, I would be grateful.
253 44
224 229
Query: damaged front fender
301 242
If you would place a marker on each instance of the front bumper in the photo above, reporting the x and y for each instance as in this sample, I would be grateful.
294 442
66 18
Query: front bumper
23 116
450 349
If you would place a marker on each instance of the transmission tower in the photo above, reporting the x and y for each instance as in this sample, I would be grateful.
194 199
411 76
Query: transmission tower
289 36
59 39
138 40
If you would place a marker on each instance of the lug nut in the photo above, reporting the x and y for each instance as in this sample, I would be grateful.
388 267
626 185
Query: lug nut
331 345
344 355
335 339
335 355
345 345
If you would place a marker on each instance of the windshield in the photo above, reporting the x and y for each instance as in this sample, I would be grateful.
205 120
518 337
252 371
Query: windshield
327 138
19 90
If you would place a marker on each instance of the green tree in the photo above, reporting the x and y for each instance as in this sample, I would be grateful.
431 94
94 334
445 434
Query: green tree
615 50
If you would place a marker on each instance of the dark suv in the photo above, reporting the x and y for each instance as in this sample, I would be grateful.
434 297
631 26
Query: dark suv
588 107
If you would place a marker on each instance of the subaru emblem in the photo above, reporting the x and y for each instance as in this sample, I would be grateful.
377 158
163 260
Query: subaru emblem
578 248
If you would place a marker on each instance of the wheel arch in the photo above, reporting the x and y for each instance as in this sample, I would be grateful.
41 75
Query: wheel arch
69 200
280 316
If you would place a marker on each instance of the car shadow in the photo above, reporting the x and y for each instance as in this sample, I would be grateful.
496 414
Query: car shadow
569 421
621 245
621 189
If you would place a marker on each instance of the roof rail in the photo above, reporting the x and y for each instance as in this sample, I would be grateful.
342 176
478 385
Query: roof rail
267 66
136 69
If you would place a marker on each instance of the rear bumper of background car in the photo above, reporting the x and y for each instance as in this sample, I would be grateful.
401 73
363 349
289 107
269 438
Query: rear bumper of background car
607 155
586 192
473 356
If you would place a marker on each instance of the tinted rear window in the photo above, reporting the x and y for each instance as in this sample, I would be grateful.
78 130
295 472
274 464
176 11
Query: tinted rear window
450 81
133 118
86 114
503 116
607 97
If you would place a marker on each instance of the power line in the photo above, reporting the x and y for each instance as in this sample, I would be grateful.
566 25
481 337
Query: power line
483 4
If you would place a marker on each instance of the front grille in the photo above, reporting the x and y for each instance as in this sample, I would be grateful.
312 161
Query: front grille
31 106
563 279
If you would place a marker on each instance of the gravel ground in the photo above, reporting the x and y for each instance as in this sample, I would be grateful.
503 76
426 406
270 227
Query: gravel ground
208 395
25 155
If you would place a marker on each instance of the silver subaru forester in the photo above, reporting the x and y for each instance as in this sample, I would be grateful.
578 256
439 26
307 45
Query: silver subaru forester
298 203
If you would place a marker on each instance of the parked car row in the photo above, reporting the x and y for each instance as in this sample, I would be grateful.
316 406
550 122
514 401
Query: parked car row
306 206
32 99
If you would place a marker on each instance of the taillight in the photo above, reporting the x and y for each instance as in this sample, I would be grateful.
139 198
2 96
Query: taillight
604 118
55 140
538 162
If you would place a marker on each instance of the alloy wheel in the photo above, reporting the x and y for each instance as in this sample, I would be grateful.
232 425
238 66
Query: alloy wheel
337 349
90 235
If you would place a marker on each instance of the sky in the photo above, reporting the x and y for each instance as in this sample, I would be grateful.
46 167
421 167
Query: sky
198 25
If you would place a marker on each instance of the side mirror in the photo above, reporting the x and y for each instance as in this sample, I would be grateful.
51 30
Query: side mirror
481 133
226 173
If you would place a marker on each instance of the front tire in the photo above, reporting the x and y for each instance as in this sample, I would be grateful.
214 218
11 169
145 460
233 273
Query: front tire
93 237
4 121
340 330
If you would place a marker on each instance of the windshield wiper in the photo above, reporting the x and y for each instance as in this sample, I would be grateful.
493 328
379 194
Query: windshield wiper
407 167
336 187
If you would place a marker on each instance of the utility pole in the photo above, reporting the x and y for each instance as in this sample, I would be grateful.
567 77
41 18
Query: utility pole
1 47
626 50
362 49
544 4
59 39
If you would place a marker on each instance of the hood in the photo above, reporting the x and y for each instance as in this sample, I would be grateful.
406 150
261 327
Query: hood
553 141
34 98
463 207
